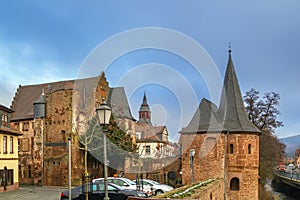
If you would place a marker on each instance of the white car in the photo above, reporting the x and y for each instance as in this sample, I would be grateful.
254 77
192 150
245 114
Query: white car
157 187
125 183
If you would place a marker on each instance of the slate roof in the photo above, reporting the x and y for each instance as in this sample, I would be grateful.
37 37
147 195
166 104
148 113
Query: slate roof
118 102
9 130
27 95
231 115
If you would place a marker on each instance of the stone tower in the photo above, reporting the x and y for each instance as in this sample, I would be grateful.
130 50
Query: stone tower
144 112
225 142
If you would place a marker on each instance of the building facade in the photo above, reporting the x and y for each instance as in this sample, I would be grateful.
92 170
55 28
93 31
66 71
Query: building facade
9 178
221 142
48 115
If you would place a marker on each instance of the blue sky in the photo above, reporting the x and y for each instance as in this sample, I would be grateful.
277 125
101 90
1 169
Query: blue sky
45 41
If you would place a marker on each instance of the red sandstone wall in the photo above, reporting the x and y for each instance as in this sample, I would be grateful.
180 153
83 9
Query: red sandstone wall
209 161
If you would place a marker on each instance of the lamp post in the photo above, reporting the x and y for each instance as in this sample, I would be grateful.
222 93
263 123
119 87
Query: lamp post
192 154
103 113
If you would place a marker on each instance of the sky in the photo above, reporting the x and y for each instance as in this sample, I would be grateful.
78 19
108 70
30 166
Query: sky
174 51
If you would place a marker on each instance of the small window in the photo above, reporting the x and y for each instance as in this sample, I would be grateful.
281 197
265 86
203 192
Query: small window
5 120
4 144
231 148
138 135
249 148
29 171
19 145
25 126
234 184
148 150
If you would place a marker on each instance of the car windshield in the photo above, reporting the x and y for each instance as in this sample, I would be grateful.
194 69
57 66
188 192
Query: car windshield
129 181
153 182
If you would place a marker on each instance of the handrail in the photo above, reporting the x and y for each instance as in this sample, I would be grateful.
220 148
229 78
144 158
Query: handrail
288 175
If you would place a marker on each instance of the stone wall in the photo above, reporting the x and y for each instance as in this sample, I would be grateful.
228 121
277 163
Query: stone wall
212 191
234 157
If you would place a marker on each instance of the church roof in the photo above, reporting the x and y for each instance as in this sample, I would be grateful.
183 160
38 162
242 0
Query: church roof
118 101
230 116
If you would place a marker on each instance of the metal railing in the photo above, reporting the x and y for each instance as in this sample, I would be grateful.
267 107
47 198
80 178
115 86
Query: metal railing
287 175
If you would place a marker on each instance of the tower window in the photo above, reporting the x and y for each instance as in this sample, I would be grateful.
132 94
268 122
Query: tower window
235 184
249 148
231 148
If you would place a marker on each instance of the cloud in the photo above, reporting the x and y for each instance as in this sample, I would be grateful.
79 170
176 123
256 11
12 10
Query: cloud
23 64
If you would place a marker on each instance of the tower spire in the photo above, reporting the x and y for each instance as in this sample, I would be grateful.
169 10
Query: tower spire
231 110
144 112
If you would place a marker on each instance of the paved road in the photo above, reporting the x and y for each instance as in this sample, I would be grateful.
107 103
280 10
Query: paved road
33 193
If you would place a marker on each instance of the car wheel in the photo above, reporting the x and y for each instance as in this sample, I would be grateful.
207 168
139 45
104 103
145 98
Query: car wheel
158 192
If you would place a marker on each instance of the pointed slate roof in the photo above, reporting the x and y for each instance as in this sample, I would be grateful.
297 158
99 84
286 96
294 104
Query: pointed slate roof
205 119
232 110
231 115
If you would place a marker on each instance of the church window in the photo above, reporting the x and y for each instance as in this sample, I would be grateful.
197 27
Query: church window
235 184
249 148
231 148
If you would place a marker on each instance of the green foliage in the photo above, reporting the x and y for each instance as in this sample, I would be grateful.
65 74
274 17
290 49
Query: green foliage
186 191
263 112
119 143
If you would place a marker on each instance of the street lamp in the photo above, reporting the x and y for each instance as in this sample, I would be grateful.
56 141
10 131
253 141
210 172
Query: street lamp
192 154
103 113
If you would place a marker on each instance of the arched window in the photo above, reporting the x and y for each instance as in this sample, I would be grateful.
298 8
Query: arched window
235 184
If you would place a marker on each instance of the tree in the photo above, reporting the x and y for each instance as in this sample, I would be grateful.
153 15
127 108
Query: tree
119 143
263 112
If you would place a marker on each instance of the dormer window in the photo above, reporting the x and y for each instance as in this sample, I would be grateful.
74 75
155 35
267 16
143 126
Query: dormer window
5 120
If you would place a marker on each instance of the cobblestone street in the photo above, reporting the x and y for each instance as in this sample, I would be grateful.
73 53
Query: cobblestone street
33 193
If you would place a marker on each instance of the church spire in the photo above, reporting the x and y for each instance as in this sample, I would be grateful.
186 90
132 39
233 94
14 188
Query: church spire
144 112
231 110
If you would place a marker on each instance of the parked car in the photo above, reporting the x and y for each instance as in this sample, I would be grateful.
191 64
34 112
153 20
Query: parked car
97 189
125 183
281 167
157 187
